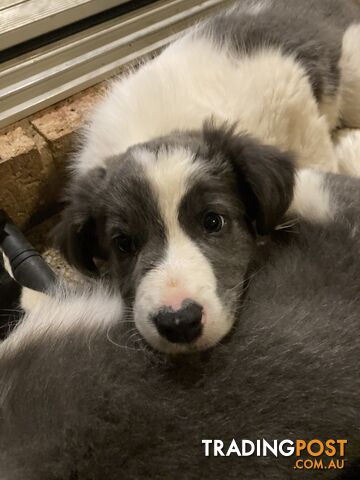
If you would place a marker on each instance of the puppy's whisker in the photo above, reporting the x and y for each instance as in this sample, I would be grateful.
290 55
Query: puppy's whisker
288 224
245 280
125 347
133 336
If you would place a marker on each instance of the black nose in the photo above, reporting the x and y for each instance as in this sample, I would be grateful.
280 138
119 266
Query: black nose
180 326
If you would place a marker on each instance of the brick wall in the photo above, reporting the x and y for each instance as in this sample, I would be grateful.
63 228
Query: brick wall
34 154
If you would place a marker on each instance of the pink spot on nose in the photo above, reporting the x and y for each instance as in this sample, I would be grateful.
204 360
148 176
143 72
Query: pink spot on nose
174 300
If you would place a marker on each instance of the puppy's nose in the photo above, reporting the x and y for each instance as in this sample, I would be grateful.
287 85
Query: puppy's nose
182 325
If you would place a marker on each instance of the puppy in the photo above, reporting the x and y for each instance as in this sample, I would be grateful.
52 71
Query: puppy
284 71
171 203
82 396
176 221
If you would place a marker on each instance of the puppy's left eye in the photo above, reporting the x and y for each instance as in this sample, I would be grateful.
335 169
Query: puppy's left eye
124 244
213 222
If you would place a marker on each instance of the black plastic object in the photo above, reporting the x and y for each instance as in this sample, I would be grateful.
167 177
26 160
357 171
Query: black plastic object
28 267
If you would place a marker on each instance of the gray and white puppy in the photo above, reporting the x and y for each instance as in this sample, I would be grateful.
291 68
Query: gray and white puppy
176 220
169 203
82 398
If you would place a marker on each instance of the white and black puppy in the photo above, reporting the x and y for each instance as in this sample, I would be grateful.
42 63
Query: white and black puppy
172 209
82 396
176 219
286 72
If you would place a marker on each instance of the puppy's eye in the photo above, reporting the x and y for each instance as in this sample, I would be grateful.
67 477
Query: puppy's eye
124 244
213 222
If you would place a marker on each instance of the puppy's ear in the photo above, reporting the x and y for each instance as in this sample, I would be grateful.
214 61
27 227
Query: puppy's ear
77 234
265 175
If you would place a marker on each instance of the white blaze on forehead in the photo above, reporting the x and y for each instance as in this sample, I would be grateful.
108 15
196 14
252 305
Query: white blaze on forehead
184 272
169 173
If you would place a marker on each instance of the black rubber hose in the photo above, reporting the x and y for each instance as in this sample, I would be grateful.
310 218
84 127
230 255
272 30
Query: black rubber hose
28 266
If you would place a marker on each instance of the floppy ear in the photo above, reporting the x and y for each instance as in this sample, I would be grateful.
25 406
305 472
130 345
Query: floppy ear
265 175
76 235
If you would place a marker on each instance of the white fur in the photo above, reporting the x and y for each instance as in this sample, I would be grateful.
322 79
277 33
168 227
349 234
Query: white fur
312 199
258 7
169 174
7 265
350 75
184 273
329 109
249 8
87 311
30 298
267 94
60 316
347 149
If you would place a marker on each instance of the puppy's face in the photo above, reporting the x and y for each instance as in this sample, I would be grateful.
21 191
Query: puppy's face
178 243
172 219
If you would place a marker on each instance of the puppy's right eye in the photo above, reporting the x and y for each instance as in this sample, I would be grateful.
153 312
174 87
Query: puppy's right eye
124 244
213 222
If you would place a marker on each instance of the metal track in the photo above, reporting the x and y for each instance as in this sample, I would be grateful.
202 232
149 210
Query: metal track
22 20
52 73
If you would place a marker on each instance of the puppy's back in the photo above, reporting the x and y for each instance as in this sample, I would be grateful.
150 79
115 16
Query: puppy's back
309 31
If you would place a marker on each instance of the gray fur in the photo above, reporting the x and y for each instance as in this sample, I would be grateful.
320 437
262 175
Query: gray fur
129 206
311 31
80 408
121 202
